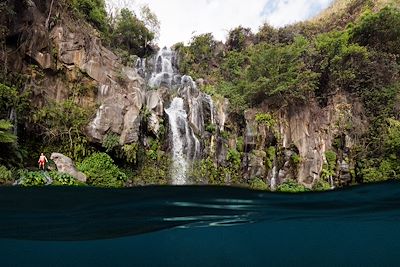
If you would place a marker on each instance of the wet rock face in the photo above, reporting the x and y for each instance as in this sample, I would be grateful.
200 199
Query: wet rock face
307 130
256 167
155 107
66 165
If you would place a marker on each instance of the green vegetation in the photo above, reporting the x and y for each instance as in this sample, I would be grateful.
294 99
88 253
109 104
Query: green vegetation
291 186
125 32
31 178
130 34
154 170
64 179
6 176
328 172
206 171
61 125
93 11
291 65
295 159
271 155
265 119
5 134
110 142
322 185
211 128
100 170
233 157
38 178
258 184
198 56
373 28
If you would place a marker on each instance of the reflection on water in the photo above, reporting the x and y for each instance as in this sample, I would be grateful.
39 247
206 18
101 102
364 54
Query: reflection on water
357 226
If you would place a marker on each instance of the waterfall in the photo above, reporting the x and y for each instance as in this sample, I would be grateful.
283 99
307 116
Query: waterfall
163 72
274 175
13 119
185 145
273 178
186 113
331 182
211 103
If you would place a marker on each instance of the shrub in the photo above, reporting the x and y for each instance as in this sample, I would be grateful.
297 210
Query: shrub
258 184
378 172
280 71
130 152
101 171
266 119
211 128
240 144
110 141
379 30
328 168
61 178
206 171
154 171
5 175
239 38
233 156
295 159
331 159
5 134
291 186
322 185
29 178
271 155
196 59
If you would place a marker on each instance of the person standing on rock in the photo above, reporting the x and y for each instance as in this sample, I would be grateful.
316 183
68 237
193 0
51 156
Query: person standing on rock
42 161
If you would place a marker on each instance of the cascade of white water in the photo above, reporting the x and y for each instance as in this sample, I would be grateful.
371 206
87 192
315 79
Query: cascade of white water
14 120
185 145
331 182
211 103
273 176
186 112
163 73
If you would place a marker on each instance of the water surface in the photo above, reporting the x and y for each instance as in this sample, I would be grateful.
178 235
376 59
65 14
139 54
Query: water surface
199 226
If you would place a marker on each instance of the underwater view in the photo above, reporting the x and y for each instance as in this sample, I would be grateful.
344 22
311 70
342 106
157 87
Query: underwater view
199 226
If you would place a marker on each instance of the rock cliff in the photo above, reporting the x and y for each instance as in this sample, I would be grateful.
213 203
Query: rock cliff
61 56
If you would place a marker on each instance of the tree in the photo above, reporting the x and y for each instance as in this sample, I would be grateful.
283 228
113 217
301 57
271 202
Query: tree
94 12
239 38
200 57
131 34
150 20
380 30
280 71
62 124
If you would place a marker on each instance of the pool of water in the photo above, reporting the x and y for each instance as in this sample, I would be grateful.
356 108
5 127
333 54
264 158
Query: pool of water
199 226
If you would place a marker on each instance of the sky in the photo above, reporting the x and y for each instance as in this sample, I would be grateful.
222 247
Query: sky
182 19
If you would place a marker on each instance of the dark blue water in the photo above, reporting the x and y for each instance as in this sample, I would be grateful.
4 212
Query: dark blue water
199 226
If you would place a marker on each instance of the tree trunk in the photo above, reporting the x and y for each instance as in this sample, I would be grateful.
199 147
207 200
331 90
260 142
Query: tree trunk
48 16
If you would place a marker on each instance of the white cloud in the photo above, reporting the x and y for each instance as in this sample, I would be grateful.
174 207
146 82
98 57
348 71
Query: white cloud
180 19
